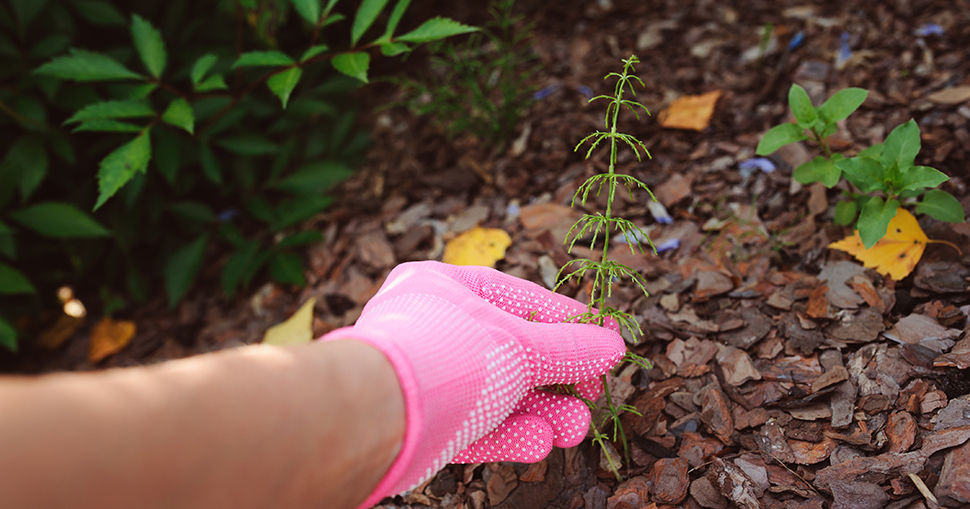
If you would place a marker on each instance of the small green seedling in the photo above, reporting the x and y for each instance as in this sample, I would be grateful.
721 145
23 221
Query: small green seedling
604 271
883 177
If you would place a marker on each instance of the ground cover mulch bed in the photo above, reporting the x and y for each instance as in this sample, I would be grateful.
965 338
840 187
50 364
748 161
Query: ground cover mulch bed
785 374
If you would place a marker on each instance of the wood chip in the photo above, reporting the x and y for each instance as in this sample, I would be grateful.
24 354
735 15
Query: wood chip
736 366
502 482
950 96
668 480
954 483
836 274
716 414
675 189
711 283
733 483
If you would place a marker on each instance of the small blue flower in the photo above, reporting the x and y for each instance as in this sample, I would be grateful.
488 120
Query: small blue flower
845 52
668 245
588 92
546 92
659 212
796 41
227 215
759 163
928 30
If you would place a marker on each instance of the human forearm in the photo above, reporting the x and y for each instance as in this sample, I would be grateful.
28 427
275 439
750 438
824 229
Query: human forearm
255 427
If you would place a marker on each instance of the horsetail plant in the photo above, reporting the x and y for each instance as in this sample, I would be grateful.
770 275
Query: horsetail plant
604 271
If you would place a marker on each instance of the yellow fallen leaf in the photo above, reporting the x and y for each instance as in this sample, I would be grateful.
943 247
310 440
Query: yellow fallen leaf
109 337
478 246
62 329
296 330
692 112
896 254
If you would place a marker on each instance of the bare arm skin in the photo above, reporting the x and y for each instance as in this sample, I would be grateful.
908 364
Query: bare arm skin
311 426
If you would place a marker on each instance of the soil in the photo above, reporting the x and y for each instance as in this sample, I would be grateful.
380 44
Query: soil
785 374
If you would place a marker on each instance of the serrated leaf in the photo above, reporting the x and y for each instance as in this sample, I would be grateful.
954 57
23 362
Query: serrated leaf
107 126
801 106
121 165
293 211
329 7
28 159
202 66
435 29
395 18
59 220
12 281
393 49
778 137
150 46
842 104
179 114
287 269
27 10
864 173
49 46
296 330
902 145
143 91
921 177
100 13
181 268
308 10
132 108
845 212
193 211
282 84
210 164
941 205
299 239
214 82
263 59
366 14
8 335
8 247
315 178
354 65
819 169
168 156
874 220
80 65
314 51
333 19
250 145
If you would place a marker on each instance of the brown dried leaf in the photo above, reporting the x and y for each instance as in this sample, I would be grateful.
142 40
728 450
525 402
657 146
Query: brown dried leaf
109 337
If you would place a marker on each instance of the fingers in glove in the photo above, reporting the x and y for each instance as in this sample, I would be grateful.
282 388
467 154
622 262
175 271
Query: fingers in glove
568 416
590 389
522 438
572 353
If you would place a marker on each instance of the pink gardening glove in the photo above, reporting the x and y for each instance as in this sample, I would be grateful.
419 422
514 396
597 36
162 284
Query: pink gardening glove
469 360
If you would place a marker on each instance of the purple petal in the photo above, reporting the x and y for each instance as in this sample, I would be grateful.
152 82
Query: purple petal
588 92
659 212
546 92
796 41
668 245
759 163
928 30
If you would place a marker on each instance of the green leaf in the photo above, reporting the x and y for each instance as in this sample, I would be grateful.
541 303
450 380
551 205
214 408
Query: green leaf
210 164
8 247
4 229
842 104
179 114
801 106
866 174
193 211
314 51
329 6
333 19
395 18
366 14
901 145
28 159
393 49
121 165
100 13
249 145
315 178
107 126
143 91
215 82
941 205
435 29
133 108
49 46
238 265
168 154
920 177
874 220
308 10
845 212
263 59
300 239
202 66
148 42
293 211
80 65
819 169
873 152
287 269
27 10
778 137
282 84
12 281
181 268
354 65
59 220
8 335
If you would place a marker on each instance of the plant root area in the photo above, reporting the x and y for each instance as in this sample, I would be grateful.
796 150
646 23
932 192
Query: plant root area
786 375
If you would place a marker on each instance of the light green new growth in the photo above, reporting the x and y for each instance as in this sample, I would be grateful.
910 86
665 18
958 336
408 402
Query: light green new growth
606 272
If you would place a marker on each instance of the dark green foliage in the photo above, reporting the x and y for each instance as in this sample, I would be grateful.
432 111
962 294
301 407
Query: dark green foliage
478 86
145 145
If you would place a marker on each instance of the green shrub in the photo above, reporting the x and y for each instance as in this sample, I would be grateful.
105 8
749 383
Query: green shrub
141 143
881 178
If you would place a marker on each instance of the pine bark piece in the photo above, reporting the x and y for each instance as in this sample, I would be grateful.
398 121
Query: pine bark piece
668 480
716 414
632 494
877 469
858 495
940 440
706 495
737 366
954 483
831 377
733 484
901 431
696 449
